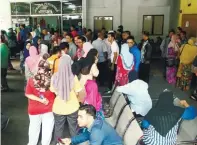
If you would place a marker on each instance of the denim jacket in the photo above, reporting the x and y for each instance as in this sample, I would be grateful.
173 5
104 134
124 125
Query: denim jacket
100 133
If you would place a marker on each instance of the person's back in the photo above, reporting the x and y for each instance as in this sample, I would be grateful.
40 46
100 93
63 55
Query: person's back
189 52
105 133
137 56
137 93
101 47
4 55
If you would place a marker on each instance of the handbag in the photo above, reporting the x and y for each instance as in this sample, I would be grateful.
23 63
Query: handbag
171 61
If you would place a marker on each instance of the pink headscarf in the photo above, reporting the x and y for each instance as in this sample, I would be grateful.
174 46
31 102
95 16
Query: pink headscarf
63 80
86 48
93 97
33 59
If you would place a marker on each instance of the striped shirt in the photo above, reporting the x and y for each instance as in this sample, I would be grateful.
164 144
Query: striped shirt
152 137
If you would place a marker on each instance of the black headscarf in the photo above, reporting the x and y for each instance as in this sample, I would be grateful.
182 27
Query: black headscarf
164 116
84 65
88 61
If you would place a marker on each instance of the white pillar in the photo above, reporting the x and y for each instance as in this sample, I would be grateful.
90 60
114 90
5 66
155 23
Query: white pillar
5 15
84 13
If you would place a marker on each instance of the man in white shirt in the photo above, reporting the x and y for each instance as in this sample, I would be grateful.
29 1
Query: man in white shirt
101 47
114 56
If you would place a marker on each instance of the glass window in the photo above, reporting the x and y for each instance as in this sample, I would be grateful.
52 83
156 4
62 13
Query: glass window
52 7
103 22
153 24
20 8
71 6
69 20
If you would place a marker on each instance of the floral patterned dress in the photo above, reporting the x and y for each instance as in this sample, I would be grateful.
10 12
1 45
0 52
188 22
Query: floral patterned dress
171 71
122 74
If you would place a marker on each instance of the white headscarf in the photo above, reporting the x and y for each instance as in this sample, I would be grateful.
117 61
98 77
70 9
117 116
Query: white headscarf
43 49
127 57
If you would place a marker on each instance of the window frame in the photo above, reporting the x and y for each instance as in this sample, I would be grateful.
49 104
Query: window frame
153 20
103 21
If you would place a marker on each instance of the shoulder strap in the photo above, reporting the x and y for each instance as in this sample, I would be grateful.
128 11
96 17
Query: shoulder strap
182 50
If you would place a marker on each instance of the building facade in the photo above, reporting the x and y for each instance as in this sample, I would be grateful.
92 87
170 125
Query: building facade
155 16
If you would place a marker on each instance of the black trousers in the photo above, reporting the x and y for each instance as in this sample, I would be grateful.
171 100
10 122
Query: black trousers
102 67
60 125
144 72
164 66
112 75
4 83
13 51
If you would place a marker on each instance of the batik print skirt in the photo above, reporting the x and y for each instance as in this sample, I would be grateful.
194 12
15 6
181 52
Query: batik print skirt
184 76
171 75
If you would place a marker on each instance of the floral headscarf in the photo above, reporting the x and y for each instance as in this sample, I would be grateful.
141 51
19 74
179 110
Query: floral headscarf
43 76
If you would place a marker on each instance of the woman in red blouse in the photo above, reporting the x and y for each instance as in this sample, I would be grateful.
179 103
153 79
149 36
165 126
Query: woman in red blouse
125 64
40 102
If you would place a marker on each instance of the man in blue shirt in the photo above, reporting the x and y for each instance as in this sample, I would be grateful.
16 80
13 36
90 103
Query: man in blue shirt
135 51
99 132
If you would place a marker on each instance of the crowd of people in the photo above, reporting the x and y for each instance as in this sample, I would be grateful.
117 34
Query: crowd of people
63 74
179 54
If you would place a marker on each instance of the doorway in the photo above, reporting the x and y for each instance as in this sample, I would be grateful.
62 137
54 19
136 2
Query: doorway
48 22
189 24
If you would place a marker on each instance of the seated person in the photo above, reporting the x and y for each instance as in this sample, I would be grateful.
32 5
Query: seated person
98 131
162 122
137 93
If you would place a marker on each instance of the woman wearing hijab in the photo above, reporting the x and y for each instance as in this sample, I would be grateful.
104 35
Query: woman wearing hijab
31 62
93 97
171 57
89 69
137 93
162 122
67 88
40 104
188 53
43 49
125 63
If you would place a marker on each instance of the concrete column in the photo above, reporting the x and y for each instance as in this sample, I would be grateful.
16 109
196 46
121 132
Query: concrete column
5 15
84 13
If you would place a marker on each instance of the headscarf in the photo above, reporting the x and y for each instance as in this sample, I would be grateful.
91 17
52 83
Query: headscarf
26 51
93 97
164 116
33 59
88 61
127 57
43 49
42 78
86 48
173 43
64 78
